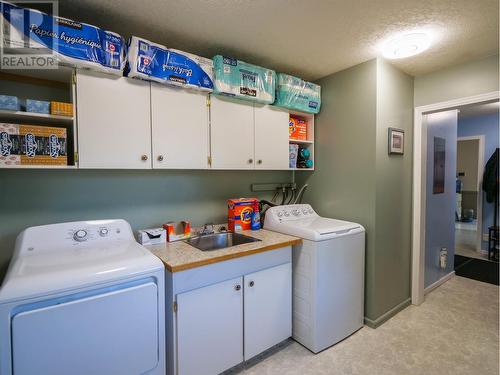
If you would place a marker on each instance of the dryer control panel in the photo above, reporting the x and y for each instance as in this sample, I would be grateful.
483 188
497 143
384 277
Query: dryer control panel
53 237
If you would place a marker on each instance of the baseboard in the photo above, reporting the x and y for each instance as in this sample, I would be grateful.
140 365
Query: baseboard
441 281
388 315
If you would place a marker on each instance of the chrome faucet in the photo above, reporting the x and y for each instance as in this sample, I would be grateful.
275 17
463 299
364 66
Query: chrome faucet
207 229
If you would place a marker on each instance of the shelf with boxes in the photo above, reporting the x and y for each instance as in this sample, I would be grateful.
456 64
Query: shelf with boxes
301 141
37 126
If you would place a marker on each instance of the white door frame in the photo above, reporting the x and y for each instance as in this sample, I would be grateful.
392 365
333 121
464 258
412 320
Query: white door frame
479 203
418 201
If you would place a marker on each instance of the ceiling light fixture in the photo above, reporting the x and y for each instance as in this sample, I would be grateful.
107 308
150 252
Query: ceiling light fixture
406 46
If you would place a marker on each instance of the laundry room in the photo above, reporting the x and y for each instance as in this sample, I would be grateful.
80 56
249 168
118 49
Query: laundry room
244 187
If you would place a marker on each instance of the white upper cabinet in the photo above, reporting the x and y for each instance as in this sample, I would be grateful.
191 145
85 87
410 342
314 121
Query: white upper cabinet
271 138
179 127
114 124
231 134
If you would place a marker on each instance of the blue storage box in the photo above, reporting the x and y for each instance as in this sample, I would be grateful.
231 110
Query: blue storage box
37 106
10 103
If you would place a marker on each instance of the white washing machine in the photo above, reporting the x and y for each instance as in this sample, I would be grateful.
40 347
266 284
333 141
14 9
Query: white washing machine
328 274
82 298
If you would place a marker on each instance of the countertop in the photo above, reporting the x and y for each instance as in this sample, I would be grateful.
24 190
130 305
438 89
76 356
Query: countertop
180 256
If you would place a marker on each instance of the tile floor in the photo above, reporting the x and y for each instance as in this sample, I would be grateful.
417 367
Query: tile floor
455 331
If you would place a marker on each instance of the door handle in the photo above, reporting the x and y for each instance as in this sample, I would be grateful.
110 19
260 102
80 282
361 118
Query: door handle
251 284
144 157
160 157
237 287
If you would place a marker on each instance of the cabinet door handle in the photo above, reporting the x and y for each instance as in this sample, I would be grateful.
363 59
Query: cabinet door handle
250 161
160 157
237 287
259 161
144 157
251 284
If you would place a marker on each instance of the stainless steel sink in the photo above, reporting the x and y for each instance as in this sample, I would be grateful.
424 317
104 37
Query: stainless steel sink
218 241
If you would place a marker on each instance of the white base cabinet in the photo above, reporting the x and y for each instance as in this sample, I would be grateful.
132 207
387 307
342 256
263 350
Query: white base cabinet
267 308
210 326
226 313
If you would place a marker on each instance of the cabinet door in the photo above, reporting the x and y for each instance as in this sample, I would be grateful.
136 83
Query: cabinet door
231 134
268 308
210 328
114 125
271 138
180 128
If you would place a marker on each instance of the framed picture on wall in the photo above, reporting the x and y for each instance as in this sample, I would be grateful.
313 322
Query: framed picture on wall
439 165
396 141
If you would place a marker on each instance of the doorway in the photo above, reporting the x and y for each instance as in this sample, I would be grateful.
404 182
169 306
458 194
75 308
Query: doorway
434 176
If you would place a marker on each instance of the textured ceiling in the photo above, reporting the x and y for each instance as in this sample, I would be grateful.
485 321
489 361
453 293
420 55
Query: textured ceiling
309 38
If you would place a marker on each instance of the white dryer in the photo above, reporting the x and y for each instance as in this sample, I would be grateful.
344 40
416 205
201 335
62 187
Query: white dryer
82 298
328 274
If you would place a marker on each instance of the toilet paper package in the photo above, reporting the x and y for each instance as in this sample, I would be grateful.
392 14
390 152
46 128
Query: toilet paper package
297 94
242 80
70 43
155 62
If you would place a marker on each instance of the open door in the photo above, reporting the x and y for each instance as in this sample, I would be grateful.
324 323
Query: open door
441 165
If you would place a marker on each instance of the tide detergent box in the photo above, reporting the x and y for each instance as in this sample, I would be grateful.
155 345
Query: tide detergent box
32 145
239 213
297 128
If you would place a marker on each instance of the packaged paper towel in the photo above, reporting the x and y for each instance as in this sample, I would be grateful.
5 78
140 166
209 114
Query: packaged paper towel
240 79
71 43
152 61
297 94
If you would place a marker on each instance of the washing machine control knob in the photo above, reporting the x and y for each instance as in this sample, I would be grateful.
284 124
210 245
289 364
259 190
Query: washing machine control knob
295 212
280 213
103 232
287 213
80 235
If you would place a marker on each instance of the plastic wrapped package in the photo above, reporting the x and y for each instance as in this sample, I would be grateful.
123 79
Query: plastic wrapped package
242 80
71 43
297 94
155 62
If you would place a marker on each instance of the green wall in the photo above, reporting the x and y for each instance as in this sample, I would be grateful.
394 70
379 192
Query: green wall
357 180
144 198
393 208
343 184
468 79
